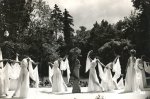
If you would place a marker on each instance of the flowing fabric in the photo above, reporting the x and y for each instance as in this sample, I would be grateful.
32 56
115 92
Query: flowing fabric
15 71
31 70
101 72
58 84
107 82
6 75
147 68
117 70
129 83
1 58
1 82
68 69
36 76
88 63
138 85
33 73
1 74
120 84
51 72
93 85
62 65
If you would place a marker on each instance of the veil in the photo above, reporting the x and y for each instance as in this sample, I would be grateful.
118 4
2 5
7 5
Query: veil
68 69
88 63
50 74
117 70
34 73
121 84
1 58
101 72
147 67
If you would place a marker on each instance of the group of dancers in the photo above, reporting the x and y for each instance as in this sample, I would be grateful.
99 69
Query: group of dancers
15 76
135 79
22 70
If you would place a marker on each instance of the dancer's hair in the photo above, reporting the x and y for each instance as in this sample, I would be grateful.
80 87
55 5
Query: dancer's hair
132 52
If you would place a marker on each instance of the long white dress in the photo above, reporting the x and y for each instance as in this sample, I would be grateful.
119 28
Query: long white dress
23 81
1 74
107 83
1 82
138 78
129 83
15 72
58 84
93 85
6 72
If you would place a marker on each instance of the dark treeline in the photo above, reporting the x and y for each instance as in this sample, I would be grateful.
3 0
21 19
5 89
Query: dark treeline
45 33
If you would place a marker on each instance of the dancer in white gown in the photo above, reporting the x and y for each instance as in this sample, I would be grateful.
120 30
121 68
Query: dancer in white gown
93 85
23 81
138 78
58 84
107 82
2 88
15 72
129 83
4 77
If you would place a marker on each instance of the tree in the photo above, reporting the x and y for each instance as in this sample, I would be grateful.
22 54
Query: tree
67 29
41 36
56 16
14 18
128 27
100 34
143 35
111 49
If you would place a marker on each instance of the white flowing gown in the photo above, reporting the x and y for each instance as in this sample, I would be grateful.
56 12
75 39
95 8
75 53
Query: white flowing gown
58 84
1 82
138 78
107 83
129 82
1 74
93 85
23 81
15 72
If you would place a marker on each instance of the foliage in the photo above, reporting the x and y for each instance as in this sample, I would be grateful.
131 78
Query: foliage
57 18
100 34
111 49
67 29
143 35
45 34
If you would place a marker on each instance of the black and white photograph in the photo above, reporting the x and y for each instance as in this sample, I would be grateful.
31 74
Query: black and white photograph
74 49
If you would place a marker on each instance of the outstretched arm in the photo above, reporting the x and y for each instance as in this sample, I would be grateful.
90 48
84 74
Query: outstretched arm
3 60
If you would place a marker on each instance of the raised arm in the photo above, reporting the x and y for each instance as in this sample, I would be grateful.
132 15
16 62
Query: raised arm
88 55
115 60
100 63
49 63
35 63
